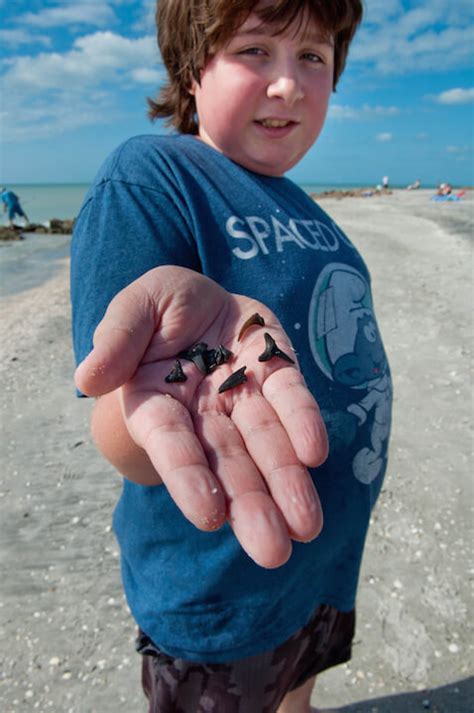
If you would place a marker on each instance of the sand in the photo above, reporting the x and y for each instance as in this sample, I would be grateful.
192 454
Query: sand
67 635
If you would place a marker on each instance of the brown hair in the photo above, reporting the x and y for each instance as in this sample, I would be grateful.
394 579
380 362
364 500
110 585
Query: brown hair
188 31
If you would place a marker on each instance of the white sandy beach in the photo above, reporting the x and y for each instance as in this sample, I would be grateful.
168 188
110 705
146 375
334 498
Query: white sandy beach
67 636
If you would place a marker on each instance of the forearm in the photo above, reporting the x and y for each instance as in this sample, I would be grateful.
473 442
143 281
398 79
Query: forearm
113 440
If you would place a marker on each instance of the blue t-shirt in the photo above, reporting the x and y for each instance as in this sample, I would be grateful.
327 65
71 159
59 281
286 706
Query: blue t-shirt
176 201
9 198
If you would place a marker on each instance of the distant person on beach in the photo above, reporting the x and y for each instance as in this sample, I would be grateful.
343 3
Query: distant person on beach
11 202
385 183
226 326
414 186
444 189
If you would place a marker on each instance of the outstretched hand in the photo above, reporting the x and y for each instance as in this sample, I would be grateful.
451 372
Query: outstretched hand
239 455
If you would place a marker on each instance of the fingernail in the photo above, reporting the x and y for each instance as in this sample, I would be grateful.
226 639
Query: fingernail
213 521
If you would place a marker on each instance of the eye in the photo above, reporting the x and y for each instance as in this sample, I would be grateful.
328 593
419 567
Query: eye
252 51
313 58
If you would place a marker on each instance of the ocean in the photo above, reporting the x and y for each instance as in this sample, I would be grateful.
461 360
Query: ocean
41 202
44 201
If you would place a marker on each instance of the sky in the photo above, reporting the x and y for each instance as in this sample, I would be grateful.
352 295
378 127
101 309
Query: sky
75 76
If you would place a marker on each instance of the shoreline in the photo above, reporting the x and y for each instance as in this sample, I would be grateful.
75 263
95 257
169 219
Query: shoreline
69 632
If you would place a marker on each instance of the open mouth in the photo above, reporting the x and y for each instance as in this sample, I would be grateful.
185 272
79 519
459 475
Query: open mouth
275 123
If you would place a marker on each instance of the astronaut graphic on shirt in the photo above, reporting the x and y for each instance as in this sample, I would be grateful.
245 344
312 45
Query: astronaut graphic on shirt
347 347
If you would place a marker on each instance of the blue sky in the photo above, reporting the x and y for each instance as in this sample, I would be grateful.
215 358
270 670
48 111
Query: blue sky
76 74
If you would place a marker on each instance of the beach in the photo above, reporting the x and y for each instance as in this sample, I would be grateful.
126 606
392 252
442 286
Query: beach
67 635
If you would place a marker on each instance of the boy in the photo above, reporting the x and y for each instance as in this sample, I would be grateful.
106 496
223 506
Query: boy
191 230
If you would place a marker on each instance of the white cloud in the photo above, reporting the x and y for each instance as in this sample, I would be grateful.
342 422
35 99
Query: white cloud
144 75
380 110
384 137
54 92
50 117
102 56
458 149
456 96
392 52
96 13
433 34
379 11
434 11
344 111
17 37
146 17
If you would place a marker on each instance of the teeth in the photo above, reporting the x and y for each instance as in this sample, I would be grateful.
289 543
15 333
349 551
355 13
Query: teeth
274 123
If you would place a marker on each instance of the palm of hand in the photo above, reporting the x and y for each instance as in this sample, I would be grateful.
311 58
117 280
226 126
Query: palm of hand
239 455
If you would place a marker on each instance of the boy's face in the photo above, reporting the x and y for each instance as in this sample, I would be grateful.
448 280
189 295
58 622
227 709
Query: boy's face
263 98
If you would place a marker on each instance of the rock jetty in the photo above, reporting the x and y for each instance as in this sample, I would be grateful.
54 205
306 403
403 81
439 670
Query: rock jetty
351 193
54 226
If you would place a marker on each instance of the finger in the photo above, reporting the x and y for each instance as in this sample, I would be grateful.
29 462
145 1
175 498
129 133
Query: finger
287 479
299 414
255 520
163 427
227 455
120 341
284 388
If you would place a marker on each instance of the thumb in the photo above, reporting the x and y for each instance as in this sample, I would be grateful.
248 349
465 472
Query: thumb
120 341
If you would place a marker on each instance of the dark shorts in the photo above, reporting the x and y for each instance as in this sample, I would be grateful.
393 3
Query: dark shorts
15 209
256 684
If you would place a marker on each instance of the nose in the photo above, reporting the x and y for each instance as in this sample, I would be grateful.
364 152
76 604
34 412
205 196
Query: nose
285 85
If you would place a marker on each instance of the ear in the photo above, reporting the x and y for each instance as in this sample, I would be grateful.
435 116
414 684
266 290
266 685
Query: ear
194 81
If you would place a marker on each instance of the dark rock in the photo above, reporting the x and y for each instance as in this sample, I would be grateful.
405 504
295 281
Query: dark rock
7 233
352 193
35 228
64 227
56 227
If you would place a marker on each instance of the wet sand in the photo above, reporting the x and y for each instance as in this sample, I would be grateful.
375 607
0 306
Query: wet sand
66 631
